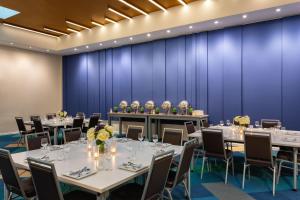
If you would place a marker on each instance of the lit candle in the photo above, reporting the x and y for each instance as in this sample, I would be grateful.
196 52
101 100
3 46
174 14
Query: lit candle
113 150
96 155
89 147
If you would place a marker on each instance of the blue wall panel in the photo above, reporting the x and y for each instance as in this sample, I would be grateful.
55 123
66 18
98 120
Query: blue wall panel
232 64
142 72
215 75
252 70
93 83
262 70
291 72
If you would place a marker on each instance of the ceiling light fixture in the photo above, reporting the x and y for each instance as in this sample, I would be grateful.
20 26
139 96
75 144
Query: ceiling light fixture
86 46
133 7
182 2
30 47
100 44
131 38
30 30
54 31
11 43
118 13
148 35
245 16
75 49
216 22
158 5
47 50
75 24
278 9
168 31
73 30
190 27
115 41
97 24
110 20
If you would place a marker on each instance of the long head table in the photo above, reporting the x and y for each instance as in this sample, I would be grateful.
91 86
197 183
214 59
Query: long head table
103 180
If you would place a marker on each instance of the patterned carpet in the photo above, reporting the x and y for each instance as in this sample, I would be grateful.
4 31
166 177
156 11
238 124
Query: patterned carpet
212 187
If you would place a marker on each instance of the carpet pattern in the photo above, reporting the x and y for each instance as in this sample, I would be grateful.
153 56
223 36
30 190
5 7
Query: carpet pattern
212 186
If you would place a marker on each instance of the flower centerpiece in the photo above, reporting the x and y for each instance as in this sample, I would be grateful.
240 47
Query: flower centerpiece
183 106
166 106
100 134
150 106
123 105
242 122
62 114
135 106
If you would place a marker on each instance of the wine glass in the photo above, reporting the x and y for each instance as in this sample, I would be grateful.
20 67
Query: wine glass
228 122
257 124
155 138
221 123
141 137
44 143
82 138
279 125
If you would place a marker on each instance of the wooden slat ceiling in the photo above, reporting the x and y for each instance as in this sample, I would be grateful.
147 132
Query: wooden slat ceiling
37 14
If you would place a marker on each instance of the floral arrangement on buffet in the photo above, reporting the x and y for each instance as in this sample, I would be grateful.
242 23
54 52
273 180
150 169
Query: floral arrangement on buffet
62 114
100 134
183 106
123 105
150 106
243 121
166 106
135 106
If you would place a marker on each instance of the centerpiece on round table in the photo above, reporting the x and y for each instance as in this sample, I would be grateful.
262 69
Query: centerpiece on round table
183 106
241 121
100 134
166 106
61 114
150 105
123 105
135 105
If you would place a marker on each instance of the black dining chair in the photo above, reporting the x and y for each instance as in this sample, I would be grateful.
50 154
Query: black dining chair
270 123
133 132
22 129
80 114
47 186
172 136
33 117
190 128
16 186
258 152
71 134
33 140
50 116
77 123
97 114
155 183
94 119
181 175
38 126
213 147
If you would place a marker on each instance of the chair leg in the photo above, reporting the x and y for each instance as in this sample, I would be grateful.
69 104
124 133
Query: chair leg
226 175
232 166
203 163
274 180
279 172
187 191
244 172
249 176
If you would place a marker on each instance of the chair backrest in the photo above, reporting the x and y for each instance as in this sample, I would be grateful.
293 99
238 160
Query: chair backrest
38 126
45 180
51 116
190 128
204 124
9 173
185 161
157 176
71 134
33 117
93 121
172 136
213 143
269 123
80 114
20 124
97 114
33 140
133 132
258 148
77 122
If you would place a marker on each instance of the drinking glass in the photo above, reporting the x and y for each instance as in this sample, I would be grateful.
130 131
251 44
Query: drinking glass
228 122
256 124
141 137
44 143
221 123
82 138
155 138
279 125
108 164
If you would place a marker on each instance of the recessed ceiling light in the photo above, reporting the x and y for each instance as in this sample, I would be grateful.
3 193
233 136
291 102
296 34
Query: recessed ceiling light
76 24
133 7
110 20
86 46
190 27
30 47
115 41
130 38
30 30
47 50
168 31
97 24
158 5
278 9
75 49
100 44
54 31
118 13
11 43
245 16
148 35
73 30
216 22
182 2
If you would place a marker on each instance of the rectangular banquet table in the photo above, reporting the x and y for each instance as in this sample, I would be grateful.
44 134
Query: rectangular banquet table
56 123
103 181
279 138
